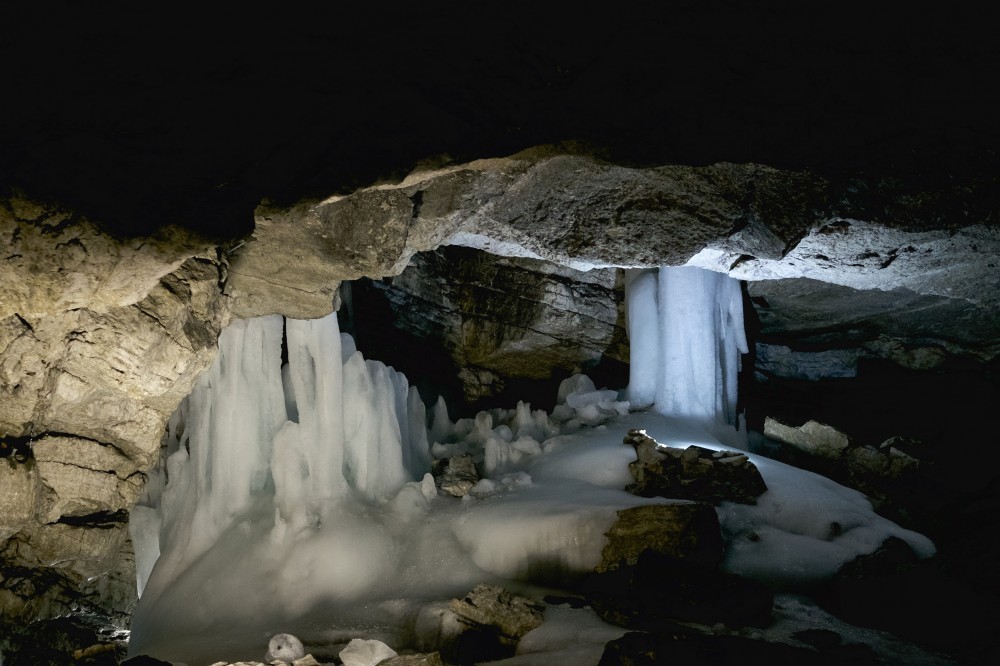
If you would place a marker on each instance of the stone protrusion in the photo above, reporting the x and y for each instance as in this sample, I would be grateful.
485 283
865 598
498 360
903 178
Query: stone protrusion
692 473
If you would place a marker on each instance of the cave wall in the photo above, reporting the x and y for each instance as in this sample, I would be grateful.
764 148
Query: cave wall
102 335
482 329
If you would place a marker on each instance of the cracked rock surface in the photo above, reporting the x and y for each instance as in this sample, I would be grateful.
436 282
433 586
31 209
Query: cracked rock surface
100 339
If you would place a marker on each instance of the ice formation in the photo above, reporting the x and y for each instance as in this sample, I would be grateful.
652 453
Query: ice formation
296 498
284 647
686 335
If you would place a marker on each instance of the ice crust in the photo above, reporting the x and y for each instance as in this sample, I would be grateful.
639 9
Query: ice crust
297 499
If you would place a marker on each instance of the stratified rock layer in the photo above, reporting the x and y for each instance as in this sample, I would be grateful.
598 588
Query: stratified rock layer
100 339
492 321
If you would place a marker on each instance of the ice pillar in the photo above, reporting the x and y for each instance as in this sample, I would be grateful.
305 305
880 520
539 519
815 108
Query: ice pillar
686 332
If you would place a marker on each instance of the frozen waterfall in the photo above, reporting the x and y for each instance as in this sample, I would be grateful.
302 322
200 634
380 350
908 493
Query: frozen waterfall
258 443
686 335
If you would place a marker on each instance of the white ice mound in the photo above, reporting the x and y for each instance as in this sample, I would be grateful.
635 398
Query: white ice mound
284 647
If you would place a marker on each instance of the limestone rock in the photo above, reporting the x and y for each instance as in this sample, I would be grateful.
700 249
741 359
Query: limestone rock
693 473
812 437
360 652
490 605
485 625
19 488
84 477
456 475
57 262
113 376
685 530
496 320
58 570
82 551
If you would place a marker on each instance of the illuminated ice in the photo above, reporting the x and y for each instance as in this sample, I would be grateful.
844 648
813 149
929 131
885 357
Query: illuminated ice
298 499
686 332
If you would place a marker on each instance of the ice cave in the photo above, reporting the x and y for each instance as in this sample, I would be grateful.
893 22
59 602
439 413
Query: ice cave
456 334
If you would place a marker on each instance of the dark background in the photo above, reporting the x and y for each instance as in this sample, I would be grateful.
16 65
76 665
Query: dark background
143 114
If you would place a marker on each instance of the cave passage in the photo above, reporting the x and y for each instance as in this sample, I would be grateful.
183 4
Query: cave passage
300 500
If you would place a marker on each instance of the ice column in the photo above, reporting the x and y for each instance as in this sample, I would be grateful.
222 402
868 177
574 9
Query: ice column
255 439
686 332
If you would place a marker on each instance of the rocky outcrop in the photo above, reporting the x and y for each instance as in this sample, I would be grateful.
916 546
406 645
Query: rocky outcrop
100 339
692 473
684 530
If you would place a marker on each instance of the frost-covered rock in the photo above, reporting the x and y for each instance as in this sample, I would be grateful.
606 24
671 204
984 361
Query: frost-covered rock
692 473
492 620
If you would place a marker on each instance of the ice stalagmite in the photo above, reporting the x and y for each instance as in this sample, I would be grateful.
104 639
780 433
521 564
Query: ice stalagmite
686 330
274 452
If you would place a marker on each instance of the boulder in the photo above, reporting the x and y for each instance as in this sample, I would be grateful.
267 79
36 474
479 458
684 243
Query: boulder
692 473
285 647
456 475
684 530
893 590
491 622
659 590
493 606
812 437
